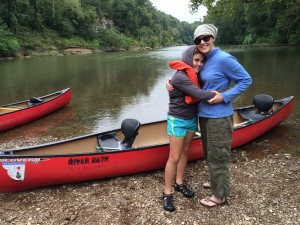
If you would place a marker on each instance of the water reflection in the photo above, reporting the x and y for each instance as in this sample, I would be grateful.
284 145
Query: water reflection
44 125
274 70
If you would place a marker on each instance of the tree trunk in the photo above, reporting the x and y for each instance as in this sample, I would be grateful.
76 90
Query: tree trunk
53 13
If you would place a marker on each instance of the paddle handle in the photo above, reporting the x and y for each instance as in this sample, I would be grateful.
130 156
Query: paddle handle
9 108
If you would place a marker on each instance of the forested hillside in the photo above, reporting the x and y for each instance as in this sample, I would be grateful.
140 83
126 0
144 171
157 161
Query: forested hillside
45 25
28 26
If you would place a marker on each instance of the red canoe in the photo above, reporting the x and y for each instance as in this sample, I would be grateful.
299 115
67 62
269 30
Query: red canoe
132 149
20 113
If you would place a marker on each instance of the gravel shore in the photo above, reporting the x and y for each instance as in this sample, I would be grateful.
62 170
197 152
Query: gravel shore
264 190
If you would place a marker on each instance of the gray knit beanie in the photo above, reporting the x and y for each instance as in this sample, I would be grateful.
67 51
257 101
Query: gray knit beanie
206 29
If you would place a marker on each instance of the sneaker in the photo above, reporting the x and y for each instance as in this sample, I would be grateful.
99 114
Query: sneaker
168 202
184 189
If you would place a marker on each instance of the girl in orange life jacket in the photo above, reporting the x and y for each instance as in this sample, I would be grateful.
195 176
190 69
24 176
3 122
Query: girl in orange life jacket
182 121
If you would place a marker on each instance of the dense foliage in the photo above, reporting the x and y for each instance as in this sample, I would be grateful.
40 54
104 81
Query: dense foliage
46 25
27 25
254 21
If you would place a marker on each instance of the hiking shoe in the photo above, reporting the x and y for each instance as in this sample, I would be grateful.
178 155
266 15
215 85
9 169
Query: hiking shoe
168 202
184 189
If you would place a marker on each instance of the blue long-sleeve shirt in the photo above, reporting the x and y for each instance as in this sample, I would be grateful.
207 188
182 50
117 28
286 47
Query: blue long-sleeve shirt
217 73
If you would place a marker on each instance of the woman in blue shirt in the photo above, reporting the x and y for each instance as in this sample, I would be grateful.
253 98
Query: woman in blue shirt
215 116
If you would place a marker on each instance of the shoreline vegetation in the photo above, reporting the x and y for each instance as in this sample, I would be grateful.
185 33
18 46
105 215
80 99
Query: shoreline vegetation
66 51
83 51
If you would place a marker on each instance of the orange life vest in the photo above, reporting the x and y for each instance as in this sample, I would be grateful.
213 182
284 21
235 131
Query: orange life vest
179 65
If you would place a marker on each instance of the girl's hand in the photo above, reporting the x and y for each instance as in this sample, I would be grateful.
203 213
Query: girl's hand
169 87
217 99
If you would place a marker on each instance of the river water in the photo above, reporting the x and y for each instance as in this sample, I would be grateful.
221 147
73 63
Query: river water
109 87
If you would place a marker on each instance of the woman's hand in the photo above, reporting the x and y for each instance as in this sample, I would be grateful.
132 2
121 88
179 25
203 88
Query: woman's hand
217 99
169 87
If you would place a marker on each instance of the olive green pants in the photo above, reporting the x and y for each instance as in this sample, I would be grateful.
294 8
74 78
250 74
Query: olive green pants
216 137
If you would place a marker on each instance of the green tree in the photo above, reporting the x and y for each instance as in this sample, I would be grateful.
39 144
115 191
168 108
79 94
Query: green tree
9 14
9 46
254 21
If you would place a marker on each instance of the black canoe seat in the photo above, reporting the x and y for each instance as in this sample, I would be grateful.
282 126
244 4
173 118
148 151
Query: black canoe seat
130 129
263 103
34 101
110 142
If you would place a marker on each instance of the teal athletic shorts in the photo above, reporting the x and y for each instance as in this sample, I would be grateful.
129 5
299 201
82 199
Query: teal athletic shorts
178 127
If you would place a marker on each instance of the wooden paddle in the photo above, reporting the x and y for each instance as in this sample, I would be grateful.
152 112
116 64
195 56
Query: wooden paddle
9 109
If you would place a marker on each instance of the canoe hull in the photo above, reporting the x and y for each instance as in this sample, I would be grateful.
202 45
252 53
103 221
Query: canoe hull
27 115
45 171
19 173
246 134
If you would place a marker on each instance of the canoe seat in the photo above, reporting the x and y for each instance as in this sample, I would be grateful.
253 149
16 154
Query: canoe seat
110 142
263 103
130 129
34 101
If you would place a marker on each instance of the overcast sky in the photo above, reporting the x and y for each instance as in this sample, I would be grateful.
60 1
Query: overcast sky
179 9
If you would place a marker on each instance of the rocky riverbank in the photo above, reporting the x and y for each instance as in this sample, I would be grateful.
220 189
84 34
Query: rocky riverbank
263 191
68 51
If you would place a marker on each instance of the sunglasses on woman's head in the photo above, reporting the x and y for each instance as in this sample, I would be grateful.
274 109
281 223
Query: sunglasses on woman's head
205 38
